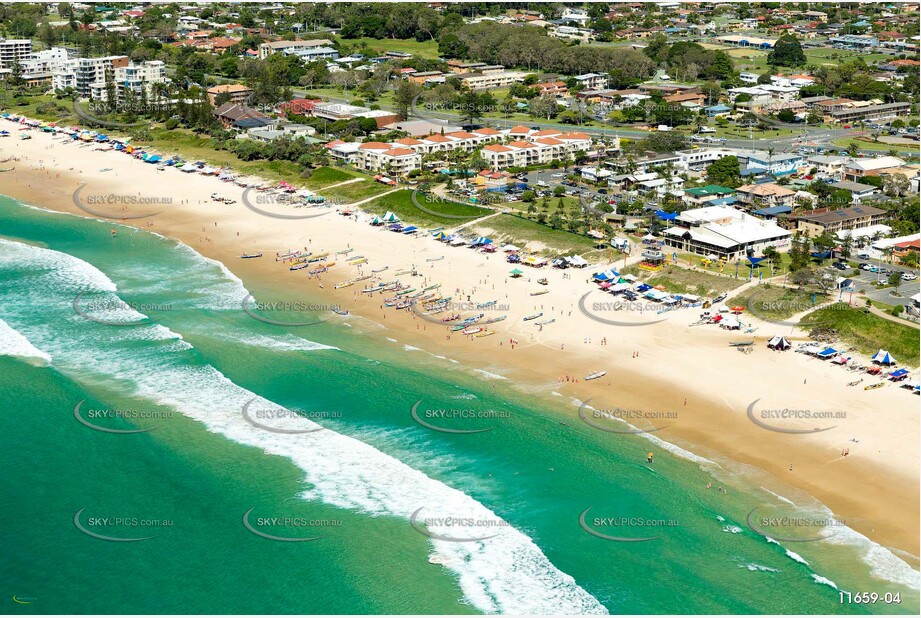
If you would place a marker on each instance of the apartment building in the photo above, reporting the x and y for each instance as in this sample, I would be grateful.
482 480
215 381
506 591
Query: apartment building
815 222
592 81
500 79
766 195
237 93
287 47
136 79
14 51
82 73
828 167
535 149
378 157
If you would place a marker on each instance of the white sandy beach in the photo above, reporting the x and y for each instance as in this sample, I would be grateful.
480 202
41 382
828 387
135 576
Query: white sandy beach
690 370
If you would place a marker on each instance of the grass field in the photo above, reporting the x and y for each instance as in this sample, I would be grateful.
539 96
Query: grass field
868 333
325 176
355 191
902 149
683 281
518 230
773 302
195 148
401 203
424 49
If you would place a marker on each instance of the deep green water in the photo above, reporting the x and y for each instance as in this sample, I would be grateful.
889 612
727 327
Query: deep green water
199 359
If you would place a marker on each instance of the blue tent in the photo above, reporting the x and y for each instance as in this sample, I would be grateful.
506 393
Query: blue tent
755 260
666 216
643 287
409 229
821 254
827 353
482 240
607 275
883 358
896 375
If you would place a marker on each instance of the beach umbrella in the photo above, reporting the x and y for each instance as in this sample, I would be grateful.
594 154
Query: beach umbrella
515 272
737 309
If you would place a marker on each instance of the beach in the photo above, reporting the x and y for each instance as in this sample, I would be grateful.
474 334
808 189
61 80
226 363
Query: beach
667 366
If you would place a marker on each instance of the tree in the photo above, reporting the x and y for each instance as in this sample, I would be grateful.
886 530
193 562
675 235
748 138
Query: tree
787 52
786 115
724 172
404 96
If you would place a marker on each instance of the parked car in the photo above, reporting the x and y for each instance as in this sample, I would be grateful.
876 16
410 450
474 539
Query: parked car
909 276
863 256
864 266
840 265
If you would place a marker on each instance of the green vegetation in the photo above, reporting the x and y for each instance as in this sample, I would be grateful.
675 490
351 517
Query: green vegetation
325 176
868 333
423 49
356 191
521 231
770 302
401 203
684 281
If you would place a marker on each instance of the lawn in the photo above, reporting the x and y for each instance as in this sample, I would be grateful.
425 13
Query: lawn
774 303
518 230
680 280
868 333
903 150
355 191
325 176
192 147
423 49
401 203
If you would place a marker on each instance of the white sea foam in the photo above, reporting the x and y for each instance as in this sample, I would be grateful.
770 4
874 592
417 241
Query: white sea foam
759 567
409 348
779 497
823 580
504 574
883 563
285 343
732 529
795 556
13 343
491 376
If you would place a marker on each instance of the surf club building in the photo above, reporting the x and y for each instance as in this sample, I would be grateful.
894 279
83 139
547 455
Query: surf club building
723 231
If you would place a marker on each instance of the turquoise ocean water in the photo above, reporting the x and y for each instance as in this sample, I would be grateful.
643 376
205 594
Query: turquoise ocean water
183 361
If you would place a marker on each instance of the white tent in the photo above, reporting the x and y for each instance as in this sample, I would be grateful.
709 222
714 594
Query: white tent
779 343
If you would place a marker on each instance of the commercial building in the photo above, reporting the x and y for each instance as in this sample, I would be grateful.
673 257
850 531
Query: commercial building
723 231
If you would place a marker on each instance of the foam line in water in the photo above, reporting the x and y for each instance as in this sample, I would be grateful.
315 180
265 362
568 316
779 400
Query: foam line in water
504 574
13 343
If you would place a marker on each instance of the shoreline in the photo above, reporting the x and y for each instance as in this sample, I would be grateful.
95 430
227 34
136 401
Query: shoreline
673 364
